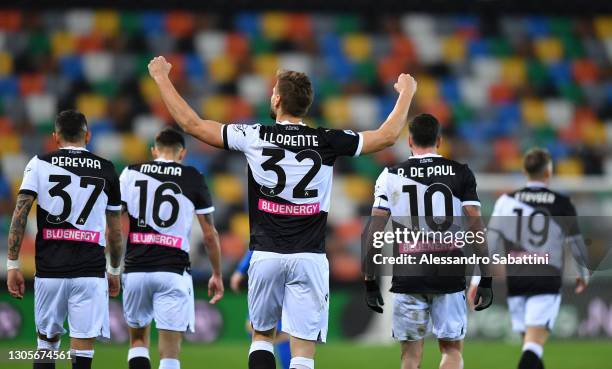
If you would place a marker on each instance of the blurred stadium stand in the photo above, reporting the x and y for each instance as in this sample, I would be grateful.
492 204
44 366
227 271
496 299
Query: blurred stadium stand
498 86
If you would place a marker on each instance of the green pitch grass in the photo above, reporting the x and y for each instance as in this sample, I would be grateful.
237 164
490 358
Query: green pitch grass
478 355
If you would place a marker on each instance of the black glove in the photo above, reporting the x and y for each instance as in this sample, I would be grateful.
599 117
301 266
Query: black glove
484 292
373 297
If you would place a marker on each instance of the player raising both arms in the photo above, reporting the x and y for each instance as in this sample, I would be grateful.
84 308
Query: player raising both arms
535 219
161 197
428 188
290 169
78 201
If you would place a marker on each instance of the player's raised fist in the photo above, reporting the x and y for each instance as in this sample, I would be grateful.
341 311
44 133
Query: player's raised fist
159 67
405 82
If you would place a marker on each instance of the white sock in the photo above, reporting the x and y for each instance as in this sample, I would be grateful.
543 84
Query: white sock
138 352
83 353
169 364
261 345
301 363
46 345
535 348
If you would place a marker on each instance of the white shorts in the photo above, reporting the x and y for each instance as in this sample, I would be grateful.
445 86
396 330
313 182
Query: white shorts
291 287
534 311
412 314
83 300
164 296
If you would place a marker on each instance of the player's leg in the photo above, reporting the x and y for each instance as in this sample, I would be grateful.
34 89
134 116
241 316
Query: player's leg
50 311
169 349
138 313
410 320
306 307
540 314
451 354
173 310
265 297
82 352
283 347
138 354
449 323
411 354
88 318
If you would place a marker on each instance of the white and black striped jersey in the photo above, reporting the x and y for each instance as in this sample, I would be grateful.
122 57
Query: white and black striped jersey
161 198
431 190
534 220
290 169
74 189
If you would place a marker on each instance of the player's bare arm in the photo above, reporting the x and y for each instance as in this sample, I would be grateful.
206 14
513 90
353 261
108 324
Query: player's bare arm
390 130
378 221
115 248
204 130
15 281
213 249
484 294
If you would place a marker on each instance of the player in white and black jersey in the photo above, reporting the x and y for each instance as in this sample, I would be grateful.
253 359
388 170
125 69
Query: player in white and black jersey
536 221
432 193
78 202
161 198
290 177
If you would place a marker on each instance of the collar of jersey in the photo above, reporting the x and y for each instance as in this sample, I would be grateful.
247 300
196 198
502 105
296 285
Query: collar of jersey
164 160
286 122
427 155
536 184
73 148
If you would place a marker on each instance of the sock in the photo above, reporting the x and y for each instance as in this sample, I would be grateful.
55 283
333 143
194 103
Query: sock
169 364
138 358
43 345
261 355
81 359
283 351
301 363
531 358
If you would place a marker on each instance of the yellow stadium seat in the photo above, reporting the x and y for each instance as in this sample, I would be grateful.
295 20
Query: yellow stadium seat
228 188
10 144
63 43
148 89
513 71
428 89
533 112
357 188
92 105
216 107
6 64
106 22
549 49
275 25
594 133
453 49
239 225
603 26
266 65
134 148
336 111
357 47
569 167
222 68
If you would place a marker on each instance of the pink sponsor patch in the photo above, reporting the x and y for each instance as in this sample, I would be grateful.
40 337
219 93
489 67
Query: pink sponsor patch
155 239
288 209
70 235
419 247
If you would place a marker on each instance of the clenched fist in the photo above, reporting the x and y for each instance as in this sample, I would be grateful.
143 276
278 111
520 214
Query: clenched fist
159 67
405 83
